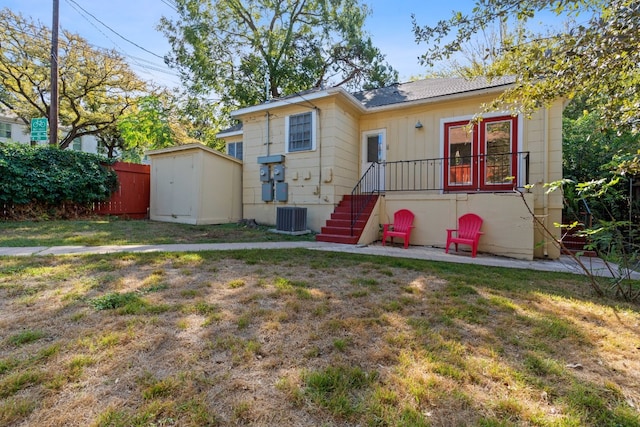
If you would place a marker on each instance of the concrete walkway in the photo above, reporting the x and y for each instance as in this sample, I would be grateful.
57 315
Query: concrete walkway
564 264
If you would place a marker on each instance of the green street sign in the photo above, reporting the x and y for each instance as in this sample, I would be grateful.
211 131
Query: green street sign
39 129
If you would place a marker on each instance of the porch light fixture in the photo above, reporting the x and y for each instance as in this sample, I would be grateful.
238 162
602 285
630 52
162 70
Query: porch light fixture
418 125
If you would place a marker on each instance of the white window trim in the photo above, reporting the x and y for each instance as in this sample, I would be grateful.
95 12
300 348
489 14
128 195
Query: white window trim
10 128
382 134
314 132
445 120
363 144
235 149
520 136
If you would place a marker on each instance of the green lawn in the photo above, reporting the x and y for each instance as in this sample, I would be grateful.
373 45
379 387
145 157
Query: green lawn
308 338
113 231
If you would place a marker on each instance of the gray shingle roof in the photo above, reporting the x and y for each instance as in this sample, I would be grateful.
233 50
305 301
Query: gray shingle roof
425 89
234 128
396 94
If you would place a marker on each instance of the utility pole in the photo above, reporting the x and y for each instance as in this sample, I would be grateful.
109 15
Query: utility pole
53 105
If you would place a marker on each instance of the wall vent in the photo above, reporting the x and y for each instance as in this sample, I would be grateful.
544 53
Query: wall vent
291 219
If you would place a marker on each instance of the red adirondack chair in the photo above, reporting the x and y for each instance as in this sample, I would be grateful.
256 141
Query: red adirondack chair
467 233
401 227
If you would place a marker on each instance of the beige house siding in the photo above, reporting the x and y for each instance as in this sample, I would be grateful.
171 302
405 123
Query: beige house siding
508 224
319 179
193 184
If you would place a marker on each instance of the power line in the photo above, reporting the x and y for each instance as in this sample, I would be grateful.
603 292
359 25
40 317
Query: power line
172 5
145 64
136 61
114 31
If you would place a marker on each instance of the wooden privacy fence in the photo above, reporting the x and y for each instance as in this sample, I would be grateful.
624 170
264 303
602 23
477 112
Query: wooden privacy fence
131 200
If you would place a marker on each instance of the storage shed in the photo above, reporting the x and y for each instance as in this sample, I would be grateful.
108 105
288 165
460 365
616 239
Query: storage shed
194 184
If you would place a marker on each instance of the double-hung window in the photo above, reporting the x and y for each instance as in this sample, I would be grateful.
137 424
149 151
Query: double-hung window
77 144
300 132
5 130
235 149
481 156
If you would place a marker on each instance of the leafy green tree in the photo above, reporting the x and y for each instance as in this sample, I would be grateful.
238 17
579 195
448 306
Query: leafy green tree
595 63
110 143
588 147
597 59
147 125
590 152
237 48
95 86
202 118
163 120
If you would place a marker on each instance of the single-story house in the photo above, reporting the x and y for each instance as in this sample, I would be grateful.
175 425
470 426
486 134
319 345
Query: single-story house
352 160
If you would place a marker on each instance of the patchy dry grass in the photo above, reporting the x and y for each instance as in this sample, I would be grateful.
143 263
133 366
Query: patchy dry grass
306 338
114 231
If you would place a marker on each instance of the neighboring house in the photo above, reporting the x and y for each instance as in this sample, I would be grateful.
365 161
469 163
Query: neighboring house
13 129
410 146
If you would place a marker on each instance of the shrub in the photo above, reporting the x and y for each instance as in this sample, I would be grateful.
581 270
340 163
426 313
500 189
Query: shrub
49 176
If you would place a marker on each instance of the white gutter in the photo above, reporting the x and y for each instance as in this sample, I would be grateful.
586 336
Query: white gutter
305 99
294 100
228 134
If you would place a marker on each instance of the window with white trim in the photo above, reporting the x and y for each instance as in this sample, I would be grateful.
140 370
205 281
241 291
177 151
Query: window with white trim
77 144
5 130
482 156
235 149
300 132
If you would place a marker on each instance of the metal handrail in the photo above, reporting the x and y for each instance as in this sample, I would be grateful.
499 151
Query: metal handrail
428 175
364 191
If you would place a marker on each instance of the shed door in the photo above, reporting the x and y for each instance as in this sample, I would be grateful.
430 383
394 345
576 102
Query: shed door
176 188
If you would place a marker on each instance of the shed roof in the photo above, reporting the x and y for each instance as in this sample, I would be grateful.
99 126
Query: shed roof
191 147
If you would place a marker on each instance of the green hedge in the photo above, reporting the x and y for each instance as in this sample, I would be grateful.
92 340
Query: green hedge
50 176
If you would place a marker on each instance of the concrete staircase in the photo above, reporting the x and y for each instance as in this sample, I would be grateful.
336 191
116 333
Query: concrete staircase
338 228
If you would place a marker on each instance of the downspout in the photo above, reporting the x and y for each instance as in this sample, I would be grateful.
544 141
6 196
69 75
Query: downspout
267 98
268 139
545 195
319 142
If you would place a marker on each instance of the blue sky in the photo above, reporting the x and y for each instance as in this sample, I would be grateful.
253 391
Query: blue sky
389 26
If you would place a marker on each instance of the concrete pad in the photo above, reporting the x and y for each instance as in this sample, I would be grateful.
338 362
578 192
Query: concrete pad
565 264
82 250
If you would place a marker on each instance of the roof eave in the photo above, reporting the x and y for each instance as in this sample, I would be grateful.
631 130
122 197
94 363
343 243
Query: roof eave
432 100
358 104
297 100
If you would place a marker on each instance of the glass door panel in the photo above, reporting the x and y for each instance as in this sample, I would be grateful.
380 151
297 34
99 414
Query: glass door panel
374 153
497 156
460 156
